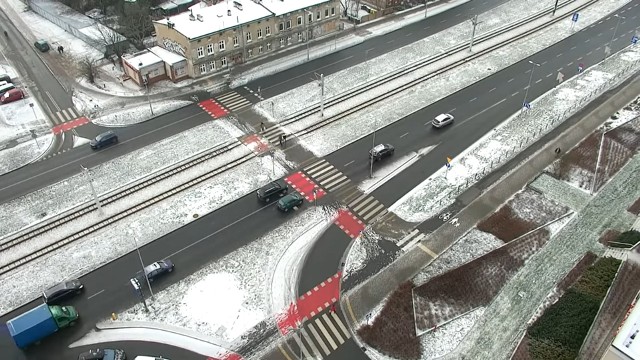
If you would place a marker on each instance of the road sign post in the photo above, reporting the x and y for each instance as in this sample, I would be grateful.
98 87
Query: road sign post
574 19
634 39
35 137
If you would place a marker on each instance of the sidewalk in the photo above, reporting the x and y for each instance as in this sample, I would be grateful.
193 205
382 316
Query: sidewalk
367 296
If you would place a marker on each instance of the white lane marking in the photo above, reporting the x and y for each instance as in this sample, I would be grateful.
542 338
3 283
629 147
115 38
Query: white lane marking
510 80
401 136
474 99
515 93
548 75
539 80
349 163
408 34
482 112
573 48
389 42
492 89
96 294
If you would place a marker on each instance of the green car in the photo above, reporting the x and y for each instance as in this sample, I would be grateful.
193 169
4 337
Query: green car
42 45
290 201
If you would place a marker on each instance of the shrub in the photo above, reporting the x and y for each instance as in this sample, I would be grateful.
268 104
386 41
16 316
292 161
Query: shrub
540 349
597 279
393 330
630 238
505 225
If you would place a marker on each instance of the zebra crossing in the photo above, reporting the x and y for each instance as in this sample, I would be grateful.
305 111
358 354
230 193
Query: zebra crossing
273 134
65 115
321 336
366 207
326 175
233 101
411 240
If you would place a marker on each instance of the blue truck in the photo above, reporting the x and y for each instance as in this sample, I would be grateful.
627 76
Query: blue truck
40 322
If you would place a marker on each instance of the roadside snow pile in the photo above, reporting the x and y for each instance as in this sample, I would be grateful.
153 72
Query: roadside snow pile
140 113
14 157
520 130
111 175
195 302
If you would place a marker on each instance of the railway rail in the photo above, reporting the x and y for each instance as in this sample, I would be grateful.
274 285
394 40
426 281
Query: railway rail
30 233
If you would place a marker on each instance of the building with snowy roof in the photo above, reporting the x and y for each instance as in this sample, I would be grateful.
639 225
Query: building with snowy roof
213 35
624 345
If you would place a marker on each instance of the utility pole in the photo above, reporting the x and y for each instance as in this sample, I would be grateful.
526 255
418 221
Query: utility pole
474 22
142 264
526 92
555 7
89 176
425 8
615 30
373 144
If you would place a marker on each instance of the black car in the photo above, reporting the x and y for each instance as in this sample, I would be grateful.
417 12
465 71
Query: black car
158 269
62 291
289 202
42 45
103 354
104 139
381 151
273 190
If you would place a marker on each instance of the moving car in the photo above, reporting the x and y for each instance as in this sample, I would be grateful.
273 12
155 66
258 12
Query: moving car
103 140
442 120
381 151
42 45
38 323
158 269
103 354
11 96
290 201
272 190
62 291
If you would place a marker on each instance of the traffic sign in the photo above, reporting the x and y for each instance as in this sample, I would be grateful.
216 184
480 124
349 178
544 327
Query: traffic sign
634 39
580 67
33 133
526 105
575 16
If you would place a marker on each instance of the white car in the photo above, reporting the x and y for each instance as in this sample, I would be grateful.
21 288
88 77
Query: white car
442 120
150 358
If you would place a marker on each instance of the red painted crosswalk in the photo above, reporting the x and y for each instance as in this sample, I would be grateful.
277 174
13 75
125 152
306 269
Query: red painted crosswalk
58 129
311 303
305 186
349 223
213 108
257 144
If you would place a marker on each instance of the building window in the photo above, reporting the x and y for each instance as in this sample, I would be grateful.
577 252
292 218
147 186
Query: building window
317 15
260 49
212 65
281 42
299 20
288 40
235 41
248 36
209 49
200 51
221 45
267 30
250 53
281 26
223 61
269 46
326 12
203 68
310 17
288 24
299 36
333 11
259 33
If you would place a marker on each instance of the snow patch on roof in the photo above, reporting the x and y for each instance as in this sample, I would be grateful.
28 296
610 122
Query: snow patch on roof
166 55
281 7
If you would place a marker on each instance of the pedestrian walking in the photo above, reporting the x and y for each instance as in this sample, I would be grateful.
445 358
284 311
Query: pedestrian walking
284 139
281 140
262 126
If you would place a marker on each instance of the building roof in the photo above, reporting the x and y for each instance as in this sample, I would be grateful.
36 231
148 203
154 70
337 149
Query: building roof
145 58
166 55
281 7
628 340
203 20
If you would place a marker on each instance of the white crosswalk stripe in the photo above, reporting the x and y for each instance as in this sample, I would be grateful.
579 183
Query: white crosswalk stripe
326 175
367 207
411 239
233 101
65 115
326 332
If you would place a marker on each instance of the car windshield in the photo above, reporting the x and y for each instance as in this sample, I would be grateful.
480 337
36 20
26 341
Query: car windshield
65 310
109 354
378 148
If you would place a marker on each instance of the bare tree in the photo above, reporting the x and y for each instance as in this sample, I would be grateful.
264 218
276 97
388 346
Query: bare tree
134 21
110 40
87 67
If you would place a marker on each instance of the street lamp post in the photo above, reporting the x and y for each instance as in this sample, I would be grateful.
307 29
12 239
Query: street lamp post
425 8
142 264
526 92
145 79
306 29
555 7
373 144
89 176
615 30
595 172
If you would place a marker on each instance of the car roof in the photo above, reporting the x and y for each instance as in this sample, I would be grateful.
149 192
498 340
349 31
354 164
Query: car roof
96 354
57 287
443 117
151 267
104 135
379 147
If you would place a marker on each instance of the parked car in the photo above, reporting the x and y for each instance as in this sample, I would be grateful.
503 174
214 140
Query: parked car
5 77
103 354
42 45
381 151
272 190
5 88
158 268
442 120
62 291
290 201
11 96
150 358
104 139
36 324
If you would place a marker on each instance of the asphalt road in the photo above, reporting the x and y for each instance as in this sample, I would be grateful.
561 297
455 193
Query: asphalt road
244 220
478 109
28 178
